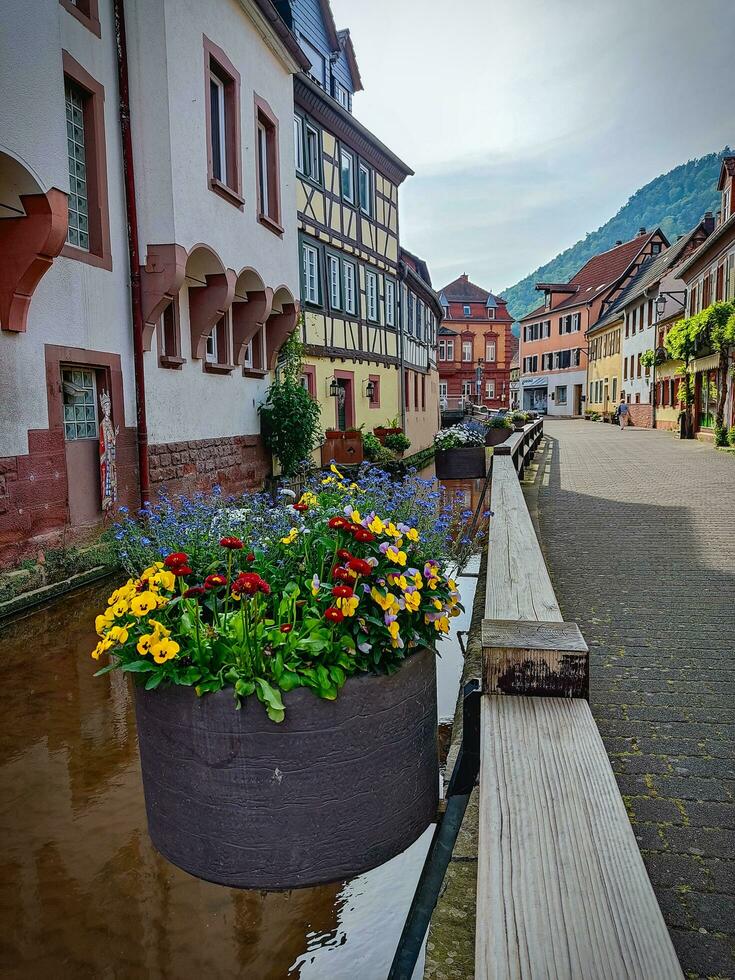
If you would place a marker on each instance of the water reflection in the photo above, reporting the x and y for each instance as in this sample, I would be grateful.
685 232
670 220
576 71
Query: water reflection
82 891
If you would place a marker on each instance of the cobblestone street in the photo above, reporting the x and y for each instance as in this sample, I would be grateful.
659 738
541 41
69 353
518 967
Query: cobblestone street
639 533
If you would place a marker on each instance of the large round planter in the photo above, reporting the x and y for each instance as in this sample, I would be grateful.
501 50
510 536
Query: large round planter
337 788
461 463
495 436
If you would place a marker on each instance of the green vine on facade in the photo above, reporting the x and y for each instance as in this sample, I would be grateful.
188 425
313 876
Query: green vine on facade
290 416
710 331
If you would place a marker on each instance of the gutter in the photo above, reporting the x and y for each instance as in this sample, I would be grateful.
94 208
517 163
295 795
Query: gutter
401 371
133 248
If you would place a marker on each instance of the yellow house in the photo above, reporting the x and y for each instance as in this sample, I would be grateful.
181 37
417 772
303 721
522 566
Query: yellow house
604 365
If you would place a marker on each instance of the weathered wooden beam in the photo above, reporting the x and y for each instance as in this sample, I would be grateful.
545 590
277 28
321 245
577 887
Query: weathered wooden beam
527 657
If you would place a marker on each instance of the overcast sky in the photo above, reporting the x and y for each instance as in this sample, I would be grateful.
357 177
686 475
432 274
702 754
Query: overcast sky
530 122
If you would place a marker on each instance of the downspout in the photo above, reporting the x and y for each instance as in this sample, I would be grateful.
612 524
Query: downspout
402 379
133 248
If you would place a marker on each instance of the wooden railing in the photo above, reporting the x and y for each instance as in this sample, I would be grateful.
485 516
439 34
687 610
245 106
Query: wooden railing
562 891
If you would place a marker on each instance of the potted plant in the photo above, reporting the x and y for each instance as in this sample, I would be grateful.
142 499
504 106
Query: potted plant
397 442
499 427
460 451
519 420
391 427
284 668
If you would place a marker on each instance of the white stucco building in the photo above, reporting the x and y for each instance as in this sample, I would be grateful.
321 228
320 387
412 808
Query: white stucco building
211 151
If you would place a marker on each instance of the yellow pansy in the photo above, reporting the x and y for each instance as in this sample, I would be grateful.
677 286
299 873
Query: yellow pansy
348 605
376 525
333 469
144 644
159 628
165 650
142 604
441 624
102 622
291 536
413 601
412 534
385 601
392 531
166 579
119 634
438 604
327 480
417 580
101 647
399 580
394 629
309 498
120 608
455 612
394 554
355 517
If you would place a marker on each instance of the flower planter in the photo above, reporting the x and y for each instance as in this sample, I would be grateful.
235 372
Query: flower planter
337 788
342 447
495 436
381 432
461 463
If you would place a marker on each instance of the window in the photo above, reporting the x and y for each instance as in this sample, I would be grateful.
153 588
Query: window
298 143
310 259
639 366
318 70
86 12
442 391
366 201
442 350
312 153
466 350
375 397
254 358
169 342
419 318
335 292
490 389
467 310
78 230
223 125
491 312
217 349
450 350
560 394
80 403
490 350
342 96
423 393
407 389
88 230
614 389
348 279
467 387
347 171
371 294
269 190
408 297
390 303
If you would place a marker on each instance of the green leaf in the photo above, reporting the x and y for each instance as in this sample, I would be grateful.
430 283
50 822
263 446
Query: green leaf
138 666
105 670
268 695
289 680
154 680
244 688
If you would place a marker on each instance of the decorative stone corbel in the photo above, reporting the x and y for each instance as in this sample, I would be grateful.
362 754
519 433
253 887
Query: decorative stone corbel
207 305
277 329
161 278
248 318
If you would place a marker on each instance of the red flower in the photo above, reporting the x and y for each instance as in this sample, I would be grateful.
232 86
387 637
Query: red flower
175 559
337 523
286 628
182 570
214 581
360 566
354 528
234 543
364 536
247 582
250 556
344 554
264 587
334 614
342 591
301 507
194 591
343 574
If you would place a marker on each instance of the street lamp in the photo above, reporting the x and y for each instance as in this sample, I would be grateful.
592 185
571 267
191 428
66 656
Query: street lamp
333 388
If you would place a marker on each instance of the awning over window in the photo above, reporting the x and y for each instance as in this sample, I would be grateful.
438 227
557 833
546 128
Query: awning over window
535 382
708 363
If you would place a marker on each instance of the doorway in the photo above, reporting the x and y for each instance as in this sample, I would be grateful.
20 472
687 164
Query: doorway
578 399
81 443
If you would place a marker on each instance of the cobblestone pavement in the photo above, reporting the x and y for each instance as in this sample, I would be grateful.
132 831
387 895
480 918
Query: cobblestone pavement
639 533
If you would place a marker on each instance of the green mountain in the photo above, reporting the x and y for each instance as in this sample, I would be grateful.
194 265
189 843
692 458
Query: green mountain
675 202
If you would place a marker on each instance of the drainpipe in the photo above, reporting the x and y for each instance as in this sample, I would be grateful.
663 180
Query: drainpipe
402 380
133 248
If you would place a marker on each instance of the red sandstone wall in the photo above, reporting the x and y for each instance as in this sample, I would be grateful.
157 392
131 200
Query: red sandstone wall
641 416
236 463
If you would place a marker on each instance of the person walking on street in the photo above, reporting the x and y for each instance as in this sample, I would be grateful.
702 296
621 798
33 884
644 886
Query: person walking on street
623 413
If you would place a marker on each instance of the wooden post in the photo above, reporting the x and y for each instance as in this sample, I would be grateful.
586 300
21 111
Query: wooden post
534 658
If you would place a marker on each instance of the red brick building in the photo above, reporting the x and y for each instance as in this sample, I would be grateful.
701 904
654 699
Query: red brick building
474 346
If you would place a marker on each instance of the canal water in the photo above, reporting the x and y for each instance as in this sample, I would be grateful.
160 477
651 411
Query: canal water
82 891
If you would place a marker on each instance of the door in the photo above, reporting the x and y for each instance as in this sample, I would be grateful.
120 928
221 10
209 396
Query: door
341 404
81 444
578 399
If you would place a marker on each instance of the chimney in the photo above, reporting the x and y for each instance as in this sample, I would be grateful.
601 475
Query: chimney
464 277
709 222
641 231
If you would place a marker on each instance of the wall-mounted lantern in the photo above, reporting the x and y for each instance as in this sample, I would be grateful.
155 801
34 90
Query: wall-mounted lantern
333 388
370 390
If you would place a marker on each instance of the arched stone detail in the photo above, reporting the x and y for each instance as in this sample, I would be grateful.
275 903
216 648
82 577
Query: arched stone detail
161 278
207 304
247 319
28 246
278 327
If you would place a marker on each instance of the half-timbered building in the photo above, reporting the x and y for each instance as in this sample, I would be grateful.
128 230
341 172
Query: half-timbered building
347 201
420 314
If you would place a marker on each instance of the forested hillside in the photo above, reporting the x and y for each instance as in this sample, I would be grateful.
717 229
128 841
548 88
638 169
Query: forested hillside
675 201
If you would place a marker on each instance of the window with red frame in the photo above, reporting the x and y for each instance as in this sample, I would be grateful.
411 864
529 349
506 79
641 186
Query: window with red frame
267 166
223 125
